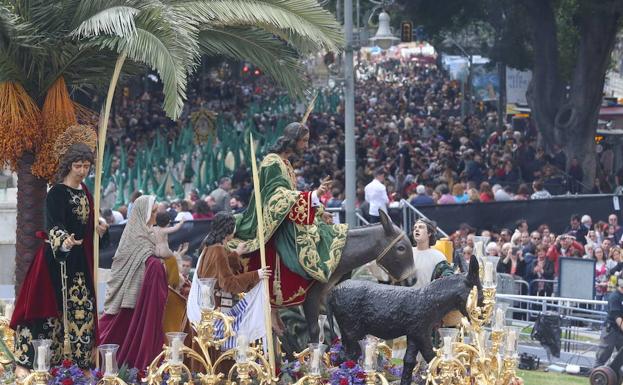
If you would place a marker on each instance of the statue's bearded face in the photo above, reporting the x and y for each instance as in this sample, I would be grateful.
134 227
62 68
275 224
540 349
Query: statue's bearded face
302 144
420 233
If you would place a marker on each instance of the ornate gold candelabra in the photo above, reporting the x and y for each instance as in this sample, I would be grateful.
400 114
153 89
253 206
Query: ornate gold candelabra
250 362
471 354
8 335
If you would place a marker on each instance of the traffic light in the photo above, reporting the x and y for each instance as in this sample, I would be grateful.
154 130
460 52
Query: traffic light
406 32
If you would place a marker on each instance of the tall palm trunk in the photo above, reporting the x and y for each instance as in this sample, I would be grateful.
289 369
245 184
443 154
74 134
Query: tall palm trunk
31 193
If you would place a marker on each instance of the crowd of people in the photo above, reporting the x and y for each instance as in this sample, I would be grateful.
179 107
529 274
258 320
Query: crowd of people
533 255
413 144
408 123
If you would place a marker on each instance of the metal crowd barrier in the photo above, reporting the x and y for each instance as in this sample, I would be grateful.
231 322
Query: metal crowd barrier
581 320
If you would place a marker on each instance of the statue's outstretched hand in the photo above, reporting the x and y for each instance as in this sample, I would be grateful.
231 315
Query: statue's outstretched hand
327 218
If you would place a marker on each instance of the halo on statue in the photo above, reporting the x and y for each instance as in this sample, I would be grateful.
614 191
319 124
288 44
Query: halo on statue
77 133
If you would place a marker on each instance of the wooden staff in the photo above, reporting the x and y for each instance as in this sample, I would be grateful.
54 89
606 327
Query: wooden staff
99 165
260 237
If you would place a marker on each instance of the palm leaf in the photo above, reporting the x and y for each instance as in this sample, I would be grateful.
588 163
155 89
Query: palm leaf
302 18
161 40
118 20
260 48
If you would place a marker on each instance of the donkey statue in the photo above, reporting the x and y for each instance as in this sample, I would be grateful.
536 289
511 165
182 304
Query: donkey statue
384 242
389 312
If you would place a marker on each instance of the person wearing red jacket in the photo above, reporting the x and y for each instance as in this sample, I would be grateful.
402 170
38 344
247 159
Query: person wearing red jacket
565 246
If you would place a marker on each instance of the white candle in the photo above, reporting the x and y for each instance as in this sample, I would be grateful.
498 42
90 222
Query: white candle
242 343
499 319
176 346
41 358
510 341
369 361
447 346
8 310
206 301
488 272
108 371
315 362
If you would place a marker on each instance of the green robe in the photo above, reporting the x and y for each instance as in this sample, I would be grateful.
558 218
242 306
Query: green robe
310 250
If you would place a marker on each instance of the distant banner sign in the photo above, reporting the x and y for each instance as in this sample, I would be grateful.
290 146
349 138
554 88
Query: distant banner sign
517 85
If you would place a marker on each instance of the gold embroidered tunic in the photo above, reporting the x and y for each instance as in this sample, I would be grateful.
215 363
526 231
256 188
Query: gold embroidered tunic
67 212
306 245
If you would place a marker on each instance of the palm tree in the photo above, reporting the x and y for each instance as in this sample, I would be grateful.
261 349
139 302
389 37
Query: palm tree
51 49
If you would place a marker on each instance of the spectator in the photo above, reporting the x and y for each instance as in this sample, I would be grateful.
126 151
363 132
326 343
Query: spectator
486 195
523 194
539 191
576 229
222 195
601 274
565 246
513 263
462 259
445 198
589 251
376 195
500 194
184 212
235 204
421 199
614 257
458 191
112 217
541 269
202 211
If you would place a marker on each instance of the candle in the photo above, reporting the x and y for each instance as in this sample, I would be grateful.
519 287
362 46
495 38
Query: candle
8 310
447 347
488 272
176 346
510 341
315 362
242 344
108 371
369 361
206 301
499 319
41 358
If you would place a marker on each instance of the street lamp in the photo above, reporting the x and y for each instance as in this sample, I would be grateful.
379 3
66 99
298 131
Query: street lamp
383 37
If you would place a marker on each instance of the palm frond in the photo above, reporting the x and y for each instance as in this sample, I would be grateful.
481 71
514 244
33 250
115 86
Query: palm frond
158 50
304 18
118 21
259 47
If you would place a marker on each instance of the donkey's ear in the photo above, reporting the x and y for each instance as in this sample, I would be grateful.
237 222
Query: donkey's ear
473 276
387 223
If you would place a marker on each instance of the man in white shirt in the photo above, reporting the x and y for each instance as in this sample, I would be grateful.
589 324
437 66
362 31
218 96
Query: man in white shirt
376 195
430 263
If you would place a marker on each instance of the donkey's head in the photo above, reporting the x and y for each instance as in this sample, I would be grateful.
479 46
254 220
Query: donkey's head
397 256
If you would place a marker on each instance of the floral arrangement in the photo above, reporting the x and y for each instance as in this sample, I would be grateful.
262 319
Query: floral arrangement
68 373
347 372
